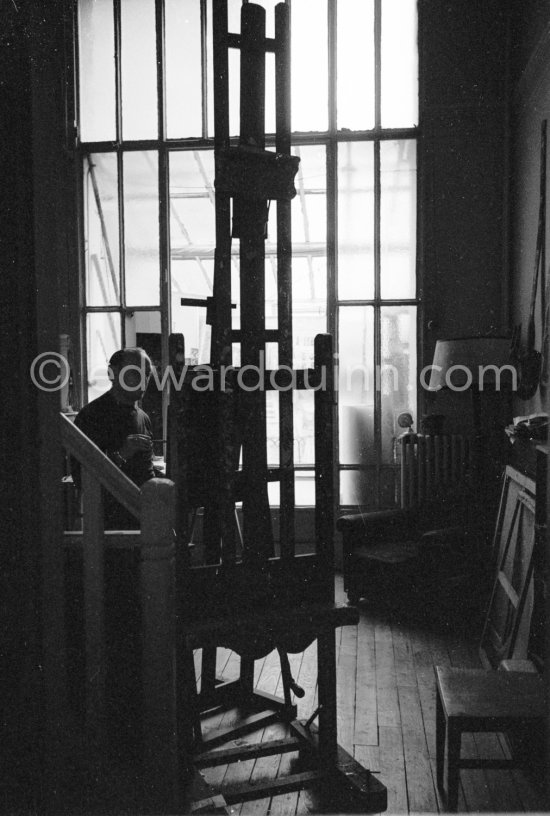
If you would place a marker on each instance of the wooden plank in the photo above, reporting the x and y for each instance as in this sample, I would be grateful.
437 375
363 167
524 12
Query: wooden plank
386 685
265 768
500 783
392 767
285 804
410 709
420 783
274 787
346 687
475 790
246 752
366 707
403 656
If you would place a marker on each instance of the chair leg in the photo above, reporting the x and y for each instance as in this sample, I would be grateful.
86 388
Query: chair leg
454 737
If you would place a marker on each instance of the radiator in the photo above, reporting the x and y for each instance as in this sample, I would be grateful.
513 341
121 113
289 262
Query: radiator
432 466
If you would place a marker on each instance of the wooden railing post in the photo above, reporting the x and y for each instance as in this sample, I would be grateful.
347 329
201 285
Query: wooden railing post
94 620
158 631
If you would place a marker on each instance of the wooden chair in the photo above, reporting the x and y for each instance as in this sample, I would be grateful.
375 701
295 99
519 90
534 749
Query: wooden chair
486 700
423 558
479 700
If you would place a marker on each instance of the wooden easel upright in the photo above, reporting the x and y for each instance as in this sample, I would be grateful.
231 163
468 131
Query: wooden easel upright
266 597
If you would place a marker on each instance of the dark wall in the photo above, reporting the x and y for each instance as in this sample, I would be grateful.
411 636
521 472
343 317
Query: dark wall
528 21
19 490
463 177
530 98
38 270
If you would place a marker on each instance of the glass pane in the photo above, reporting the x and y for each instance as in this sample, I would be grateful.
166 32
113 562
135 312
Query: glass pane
102 233
140 327
309 208
399 102
398 219
192 237
270 93
304 496
190 320
139 70
309 264
192 213
309 60
96 44
357 488
356 385
304 428
272 426
309 307
141 228
355 64
183 68
355 221
397 372
103 338
234 92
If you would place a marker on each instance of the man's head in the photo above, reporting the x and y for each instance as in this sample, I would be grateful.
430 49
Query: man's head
129 372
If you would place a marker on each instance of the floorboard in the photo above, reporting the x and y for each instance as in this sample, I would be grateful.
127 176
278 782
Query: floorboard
386 718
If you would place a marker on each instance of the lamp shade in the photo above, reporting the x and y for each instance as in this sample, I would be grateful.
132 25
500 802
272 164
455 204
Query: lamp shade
472 362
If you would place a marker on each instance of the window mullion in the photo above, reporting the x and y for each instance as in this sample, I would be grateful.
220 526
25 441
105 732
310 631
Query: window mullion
122 256
204 68
377 265
332 57
377 323
163 188
120 164
118 73
377 63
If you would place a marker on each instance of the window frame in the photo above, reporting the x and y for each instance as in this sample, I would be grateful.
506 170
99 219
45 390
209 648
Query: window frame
331 139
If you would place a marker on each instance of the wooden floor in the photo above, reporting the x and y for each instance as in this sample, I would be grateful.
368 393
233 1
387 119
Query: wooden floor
386 718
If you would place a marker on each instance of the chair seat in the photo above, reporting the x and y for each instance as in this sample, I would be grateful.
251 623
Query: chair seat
259 632
388 553
479 694
477 700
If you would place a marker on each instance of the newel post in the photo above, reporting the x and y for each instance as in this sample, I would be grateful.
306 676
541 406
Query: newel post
158 638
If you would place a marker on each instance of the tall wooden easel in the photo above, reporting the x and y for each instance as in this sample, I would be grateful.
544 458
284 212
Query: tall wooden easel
266 597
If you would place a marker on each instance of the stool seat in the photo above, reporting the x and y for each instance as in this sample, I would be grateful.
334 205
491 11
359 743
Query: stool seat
477 700
473 694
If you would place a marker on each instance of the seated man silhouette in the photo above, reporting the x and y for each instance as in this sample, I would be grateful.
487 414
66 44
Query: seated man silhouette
121 429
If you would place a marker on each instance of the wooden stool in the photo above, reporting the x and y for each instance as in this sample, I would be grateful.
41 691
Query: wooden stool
479 700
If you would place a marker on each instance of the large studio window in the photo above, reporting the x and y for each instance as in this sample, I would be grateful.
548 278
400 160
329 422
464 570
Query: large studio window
145 87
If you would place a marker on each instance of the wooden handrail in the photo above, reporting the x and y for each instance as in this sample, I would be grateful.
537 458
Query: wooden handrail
100 467
154 505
